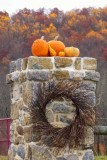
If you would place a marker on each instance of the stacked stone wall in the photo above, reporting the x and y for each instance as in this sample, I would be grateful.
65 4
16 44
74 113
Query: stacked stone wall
24 79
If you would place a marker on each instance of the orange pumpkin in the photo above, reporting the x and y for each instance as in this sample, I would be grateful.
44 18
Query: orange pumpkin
57 46
40 48
61 54
71 52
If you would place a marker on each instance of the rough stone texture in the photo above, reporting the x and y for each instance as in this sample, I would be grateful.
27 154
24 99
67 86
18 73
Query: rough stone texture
19 64
61 74
71 74
60 108
24 63
26 77
39 63
88 155
77 63
91 98
14 136
72 157
88 85
89 137
15 76
22 77
18 139
94 76
67 119
36 136
63 62
19 130
21 151
14 112
27 92
50 116
12 66
17 92
28 153
38 75
40 153
27 133
89 63
78 76
8 78
24 118
12 152
12 77
60 112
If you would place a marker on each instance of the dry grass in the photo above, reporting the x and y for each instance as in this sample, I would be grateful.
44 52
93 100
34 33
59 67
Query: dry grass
3 158
100 157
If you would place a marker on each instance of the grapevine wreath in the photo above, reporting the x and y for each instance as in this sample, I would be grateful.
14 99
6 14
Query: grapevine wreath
72 135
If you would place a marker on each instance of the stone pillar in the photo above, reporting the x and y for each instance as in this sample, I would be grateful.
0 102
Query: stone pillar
24 79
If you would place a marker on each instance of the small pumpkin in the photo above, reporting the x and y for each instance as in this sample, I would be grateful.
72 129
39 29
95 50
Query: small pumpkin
52 51
72 52
56 45
40 47
61 54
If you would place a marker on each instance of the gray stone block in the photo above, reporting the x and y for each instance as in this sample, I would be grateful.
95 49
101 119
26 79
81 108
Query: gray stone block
38 75
91 75
63 62
61 74
40 152
78 76
66 120
21 151
88 155
77 63
72 157
22 77
15 76
71 74
88 85
89 63
60 108
39 63
19 64
24 63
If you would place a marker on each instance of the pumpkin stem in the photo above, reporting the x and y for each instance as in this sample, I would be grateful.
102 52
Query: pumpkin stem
42 37
56 38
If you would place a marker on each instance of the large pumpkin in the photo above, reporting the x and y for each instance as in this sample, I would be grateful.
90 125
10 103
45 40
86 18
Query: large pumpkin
57 46
71 52
40 48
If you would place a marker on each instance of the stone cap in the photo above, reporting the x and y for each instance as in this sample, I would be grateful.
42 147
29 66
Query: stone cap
45 68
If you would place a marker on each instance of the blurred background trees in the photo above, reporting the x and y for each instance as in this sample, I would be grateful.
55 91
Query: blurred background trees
85 29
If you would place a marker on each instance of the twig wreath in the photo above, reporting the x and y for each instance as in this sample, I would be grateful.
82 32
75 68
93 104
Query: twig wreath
72 135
